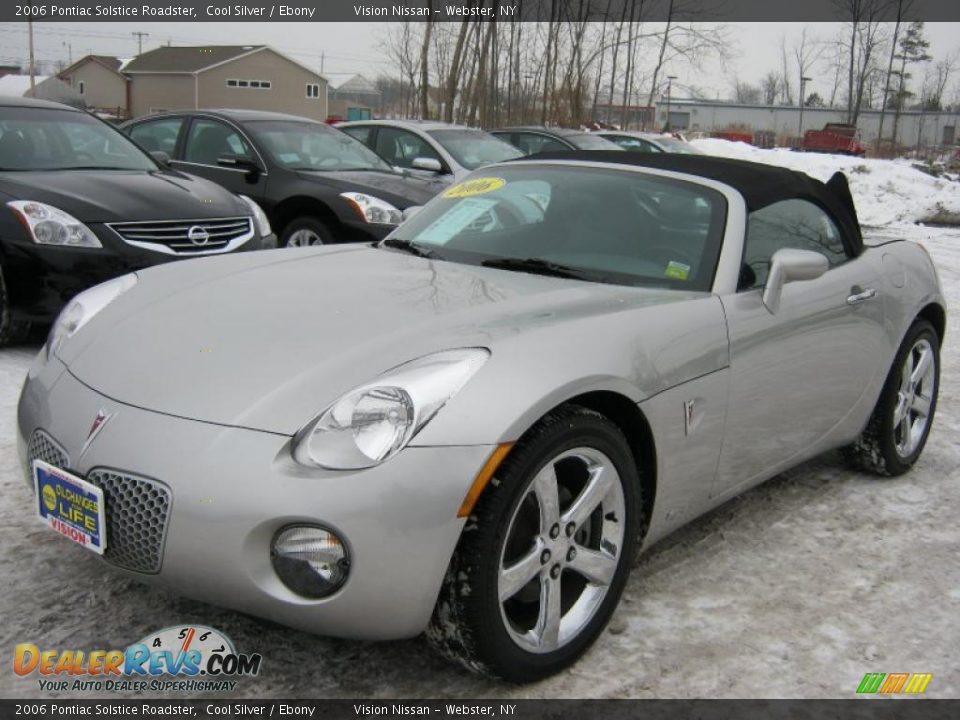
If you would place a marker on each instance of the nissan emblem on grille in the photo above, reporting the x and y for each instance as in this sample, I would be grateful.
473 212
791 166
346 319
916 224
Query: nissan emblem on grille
198 236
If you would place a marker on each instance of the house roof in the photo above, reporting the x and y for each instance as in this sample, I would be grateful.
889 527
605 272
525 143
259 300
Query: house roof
189 59
356 84
114 64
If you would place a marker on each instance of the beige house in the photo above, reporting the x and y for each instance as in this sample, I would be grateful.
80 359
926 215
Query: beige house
253 77
99 80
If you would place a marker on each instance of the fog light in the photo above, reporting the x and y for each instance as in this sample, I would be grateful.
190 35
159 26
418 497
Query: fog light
311 561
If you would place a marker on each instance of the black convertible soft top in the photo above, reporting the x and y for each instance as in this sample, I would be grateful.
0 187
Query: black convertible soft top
759 184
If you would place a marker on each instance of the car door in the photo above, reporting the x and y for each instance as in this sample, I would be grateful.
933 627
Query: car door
401 147
159 134
206 141
797 373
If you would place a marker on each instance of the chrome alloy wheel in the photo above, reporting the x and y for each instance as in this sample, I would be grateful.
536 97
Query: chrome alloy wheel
562 549
912 411
304 238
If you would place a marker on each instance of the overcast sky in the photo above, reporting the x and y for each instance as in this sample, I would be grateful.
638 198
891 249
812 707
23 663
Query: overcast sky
353 47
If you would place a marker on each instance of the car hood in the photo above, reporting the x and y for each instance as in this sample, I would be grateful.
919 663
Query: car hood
124 195
267 340
401 191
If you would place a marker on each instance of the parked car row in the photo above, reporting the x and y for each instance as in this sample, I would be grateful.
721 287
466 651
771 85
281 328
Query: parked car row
86 204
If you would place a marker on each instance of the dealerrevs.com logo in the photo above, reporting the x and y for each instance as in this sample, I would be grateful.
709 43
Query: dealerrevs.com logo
184 658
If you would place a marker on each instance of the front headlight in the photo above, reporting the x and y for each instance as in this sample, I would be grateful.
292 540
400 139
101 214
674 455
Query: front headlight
375 421
259 216
48 225
372 209
83 307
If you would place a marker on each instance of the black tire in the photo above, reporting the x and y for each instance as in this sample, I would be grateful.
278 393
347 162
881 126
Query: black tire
876 449
11 330
306 225
467 624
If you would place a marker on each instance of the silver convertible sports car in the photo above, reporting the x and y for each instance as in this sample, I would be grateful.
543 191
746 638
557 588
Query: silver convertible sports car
470 428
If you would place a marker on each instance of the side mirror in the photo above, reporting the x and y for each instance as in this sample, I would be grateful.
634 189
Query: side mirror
789 265
161 157
423 163
411 211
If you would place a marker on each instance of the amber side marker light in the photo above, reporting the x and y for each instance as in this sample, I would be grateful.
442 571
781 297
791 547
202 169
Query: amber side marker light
483 477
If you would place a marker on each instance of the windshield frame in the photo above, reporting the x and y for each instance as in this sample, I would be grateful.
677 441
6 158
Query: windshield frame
59 121
264 143
728 235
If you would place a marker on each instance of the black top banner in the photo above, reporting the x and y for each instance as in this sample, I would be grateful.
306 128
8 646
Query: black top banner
488 10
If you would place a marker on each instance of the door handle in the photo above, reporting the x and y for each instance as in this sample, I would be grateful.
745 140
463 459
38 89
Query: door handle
860 296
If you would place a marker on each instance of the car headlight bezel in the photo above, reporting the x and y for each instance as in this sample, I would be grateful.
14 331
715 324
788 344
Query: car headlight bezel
260 218
372 209
83 307
50 226
371 423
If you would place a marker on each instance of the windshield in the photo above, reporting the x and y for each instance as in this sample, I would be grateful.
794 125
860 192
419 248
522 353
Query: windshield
312 146
41 139
604 225
585 141
474 148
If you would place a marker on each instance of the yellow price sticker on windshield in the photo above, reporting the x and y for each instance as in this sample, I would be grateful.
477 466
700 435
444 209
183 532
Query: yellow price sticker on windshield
677 270
476 186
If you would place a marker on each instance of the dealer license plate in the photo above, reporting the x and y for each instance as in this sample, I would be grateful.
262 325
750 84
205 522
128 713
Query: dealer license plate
71 506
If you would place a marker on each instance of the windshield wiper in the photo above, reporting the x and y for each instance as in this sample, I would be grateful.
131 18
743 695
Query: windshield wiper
538 266
411 247
95 167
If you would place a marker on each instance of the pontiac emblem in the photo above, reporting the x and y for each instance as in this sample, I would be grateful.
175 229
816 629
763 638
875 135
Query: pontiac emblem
99 423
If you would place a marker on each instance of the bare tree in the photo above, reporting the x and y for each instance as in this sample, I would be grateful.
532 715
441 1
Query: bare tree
746 94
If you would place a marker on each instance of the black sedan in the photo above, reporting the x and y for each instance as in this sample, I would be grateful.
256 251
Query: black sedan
532 140
80 204
317 184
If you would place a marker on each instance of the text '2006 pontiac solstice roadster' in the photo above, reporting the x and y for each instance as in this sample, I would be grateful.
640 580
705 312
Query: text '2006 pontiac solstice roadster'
469 428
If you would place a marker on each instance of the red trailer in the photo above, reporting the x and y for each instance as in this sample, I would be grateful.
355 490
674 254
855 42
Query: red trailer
836 138
734 136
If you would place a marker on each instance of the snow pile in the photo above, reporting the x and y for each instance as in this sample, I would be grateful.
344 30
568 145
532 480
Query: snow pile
885 191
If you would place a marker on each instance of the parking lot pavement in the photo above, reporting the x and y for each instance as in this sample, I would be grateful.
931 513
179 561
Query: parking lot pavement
795 589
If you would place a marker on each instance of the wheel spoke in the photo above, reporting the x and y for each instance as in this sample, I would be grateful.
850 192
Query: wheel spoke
596 566
545 488
601 480
900 409
921 405
922 366
907 373
905 441
548 621
515 577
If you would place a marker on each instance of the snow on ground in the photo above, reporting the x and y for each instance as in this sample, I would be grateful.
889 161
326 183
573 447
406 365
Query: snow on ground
795 589
885 191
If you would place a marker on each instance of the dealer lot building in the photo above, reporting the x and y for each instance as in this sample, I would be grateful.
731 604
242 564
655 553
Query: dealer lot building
254 77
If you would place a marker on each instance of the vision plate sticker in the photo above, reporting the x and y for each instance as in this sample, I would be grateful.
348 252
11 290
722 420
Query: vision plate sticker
71 506
475 186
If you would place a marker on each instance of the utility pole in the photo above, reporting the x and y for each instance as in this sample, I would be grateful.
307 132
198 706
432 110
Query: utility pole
33 82
803 81
323 58
670 78
140 36
69 47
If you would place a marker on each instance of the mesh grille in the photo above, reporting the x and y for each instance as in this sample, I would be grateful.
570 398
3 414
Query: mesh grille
137 511
43 447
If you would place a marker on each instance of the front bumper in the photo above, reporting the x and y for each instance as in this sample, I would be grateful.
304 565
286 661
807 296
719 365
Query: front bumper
41 279
231 489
